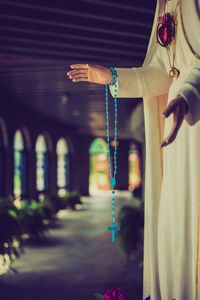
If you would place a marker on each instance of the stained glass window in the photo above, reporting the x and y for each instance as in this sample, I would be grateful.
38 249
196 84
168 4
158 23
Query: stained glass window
134 168
19 165
62 164
99 171
41 164
3 153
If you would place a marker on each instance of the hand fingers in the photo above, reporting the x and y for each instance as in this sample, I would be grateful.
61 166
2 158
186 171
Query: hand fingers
81 71
173 133
178 117
169 139
170 108
80 79
76 76
79 66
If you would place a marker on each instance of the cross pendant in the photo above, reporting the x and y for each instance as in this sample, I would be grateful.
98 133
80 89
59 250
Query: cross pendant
113 228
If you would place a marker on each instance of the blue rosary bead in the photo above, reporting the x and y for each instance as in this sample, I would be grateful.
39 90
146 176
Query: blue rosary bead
112 181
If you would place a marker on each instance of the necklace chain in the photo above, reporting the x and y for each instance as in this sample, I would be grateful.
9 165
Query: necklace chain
171 48
115 132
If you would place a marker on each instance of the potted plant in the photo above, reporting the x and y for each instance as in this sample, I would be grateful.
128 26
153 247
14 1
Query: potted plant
131 222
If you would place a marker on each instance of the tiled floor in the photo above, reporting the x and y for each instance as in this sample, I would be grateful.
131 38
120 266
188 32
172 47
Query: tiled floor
76 260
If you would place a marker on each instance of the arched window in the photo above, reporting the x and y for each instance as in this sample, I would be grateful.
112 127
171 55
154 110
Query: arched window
62 165
99 171
134 168
3 158
19 165
41 164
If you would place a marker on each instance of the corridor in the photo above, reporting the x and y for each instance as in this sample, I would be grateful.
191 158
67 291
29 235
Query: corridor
76 259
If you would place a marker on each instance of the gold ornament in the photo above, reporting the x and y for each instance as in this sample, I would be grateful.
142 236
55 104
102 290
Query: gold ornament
174 72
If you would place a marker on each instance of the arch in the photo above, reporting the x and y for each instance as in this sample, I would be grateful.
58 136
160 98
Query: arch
42 163
26 138
70 146
62 151
62 146
99 171
18 141
98 145
48 140
41 144
3 157
19 165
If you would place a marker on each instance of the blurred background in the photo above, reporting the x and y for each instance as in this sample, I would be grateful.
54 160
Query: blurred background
55 196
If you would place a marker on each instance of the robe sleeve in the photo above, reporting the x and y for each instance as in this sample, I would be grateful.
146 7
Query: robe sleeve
150 80
190 90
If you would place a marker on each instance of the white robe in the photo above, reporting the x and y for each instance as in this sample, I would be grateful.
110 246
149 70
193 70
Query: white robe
172 174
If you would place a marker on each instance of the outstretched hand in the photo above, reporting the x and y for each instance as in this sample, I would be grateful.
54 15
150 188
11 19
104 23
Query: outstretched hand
179 108
91 73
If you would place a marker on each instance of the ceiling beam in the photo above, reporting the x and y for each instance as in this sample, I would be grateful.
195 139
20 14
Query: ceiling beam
50 34
70 46
21 62
79 56
122 6
74 26
69 12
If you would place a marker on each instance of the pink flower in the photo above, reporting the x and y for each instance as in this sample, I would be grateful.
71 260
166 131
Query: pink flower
106 297
115 294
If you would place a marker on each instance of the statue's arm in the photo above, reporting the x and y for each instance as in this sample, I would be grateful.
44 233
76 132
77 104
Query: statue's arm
142 82
190 90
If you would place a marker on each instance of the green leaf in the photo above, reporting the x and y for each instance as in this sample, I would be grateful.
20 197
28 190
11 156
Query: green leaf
98 296
12 213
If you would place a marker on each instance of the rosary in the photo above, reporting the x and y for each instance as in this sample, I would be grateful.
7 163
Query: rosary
113 228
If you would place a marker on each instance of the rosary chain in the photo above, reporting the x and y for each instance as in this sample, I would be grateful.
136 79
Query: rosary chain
112 177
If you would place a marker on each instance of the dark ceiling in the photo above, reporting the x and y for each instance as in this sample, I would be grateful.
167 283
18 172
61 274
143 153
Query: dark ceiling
41 39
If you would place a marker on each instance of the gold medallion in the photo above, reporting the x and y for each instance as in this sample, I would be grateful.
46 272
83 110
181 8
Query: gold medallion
174 73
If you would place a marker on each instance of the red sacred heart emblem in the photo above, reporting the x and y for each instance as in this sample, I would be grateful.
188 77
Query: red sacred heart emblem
165 30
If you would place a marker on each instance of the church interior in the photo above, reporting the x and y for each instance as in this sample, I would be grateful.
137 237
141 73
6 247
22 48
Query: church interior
55 192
